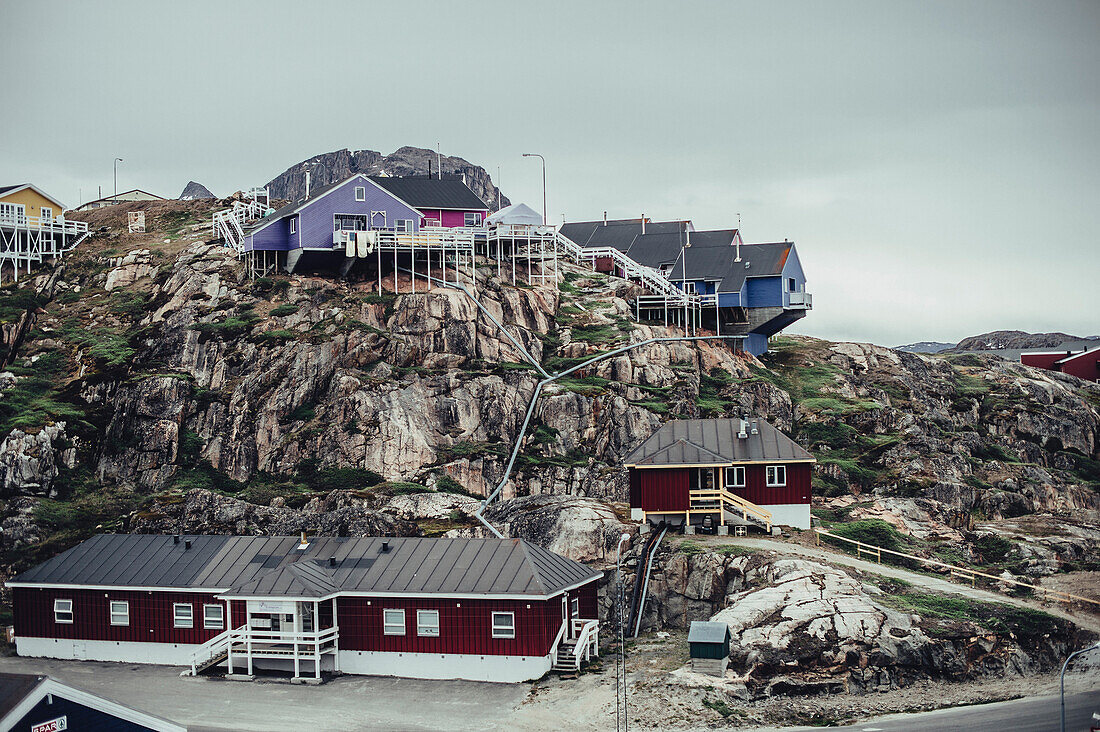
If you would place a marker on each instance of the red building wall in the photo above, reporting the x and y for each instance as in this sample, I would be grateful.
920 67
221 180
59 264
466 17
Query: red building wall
1042 360
150 615
1085 366
465 626
757 491
662 489
667 489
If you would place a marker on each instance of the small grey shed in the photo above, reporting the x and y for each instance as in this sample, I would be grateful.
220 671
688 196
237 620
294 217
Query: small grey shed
710 647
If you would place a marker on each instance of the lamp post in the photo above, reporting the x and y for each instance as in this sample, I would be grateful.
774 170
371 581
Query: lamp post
536 155
1062 682
117 161
620 663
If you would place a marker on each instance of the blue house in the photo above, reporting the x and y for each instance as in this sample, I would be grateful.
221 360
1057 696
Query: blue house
749 290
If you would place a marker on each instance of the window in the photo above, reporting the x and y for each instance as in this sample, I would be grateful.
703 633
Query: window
393 622
403 225
689 288
360 193
735 477
349 222
575 607
183 615
471 219
63 611
16 212
213 617
120 613
293 225
791 285
47 213
504 625
777 475
427 622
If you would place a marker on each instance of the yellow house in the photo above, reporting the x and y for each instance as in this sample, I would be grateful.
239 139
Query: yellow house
27 202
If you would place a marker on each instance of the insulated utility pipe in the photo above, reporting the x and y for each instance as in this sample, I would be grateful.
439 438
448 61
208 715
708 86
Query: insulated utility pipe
549 379
645 587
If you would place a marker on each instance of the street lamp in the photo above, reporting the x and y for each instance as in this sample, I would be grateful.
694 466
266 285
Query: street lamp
622 722
1073 655
536 155
117 161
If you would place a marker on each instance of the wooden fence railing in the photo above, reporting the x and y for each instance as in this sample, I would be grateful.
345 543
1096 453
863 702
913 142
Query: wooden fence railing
963 573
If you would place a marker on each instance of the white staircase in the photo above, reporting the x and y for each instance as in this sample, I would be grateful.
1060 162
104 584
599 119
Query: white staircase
229 224
568 654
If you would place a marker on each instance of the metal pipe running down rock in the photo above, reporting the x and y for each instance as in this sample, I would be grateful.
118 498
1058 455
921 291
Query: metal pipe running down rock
549 379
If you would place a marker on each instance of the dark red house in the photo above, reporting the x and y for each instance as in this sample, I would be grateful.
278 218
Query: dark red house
730 470
1084 364
482 609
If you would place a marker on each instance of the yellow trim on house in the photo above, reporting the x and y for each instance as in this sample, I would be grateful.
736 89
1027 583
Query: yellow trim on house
718 465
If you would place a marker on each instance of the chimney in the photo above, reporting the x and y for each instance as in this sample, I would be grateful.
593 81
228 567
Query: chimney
385 546
605 218
743 433
305 541
187 544
755 429
307 184
332 561
175 538
643 224
737 242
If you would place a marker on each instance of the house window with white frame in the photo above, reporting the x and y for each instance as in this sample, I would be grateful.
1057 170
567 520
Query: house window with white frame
574 607
393 622
471 219
735 477
183 615
13 212
360 193
504 625
427 623
213 617
293 224
120 612
47 213
689 288
403 226
777 475
62 611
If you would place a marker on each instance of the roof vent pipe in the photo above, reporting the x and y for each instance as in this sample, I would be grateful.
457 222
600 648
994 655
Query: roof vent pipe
743 434
307 184
332 561
175 538
755 429
305 541
643 224
187 544
605 218
385 546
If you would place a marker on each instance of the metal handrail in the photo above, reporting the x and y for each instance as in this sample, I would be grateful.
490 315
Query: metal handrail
954 570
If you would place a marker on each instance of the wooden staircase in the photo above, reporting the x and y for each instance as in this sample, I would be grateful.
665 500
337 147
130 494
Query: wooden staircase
566 663
726 504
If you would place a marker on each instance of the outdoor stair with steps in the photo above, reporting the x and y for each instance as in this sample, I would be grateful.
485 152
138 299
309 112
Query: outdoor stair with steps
731 506
566 663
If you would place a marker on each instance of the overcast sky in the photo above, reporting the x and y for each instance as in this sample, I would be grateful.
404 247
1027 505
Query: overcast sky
937 164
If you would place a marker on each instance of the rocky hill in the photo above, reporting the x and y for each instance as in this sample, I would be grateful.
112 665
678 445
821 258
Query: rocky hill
333 166
1010 339
193 191
153 386
924 347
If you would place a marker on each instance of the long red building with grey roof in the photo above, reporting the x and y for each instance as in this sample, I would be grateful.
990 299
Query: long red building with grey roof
483 609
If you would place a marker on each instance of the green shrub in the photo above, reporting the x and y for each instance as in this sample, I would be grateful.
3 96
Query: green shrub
285 309
275 336
303 413
336 479
871 531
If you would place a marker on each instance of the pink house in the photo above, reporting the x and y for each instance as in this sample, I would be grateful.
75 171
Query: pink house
445 201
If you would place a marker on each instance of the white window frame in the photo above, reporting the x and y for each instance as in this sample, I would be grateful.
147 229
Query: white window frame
360 193
689 287
119 612
403 226
211 623
738 472
13 211
63 610
293 224
466 218
427 623
46 213
574 607
504 631
389 627
181 621
776 476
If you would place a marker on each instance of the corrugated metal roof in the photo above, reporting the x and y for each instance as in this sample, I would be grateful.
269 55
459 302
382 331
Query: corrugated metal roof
714 441
705 631
620 233
424 192
274 566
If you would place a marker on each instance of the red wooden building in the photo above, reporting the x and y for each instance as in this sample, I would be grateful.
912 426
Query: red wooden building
482 609
1084 364
721 470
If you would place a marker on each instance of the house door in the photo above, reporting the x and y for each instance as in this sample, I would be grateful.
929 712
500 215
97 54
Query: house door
565 616
305 612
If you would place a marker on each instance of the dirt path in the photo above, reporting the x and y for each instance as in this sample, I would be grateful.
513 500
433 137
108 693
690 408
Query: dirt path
937 584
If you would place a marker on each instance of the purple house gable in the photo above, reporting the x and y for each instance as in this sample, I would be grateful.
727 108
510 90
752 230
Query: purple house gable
314 220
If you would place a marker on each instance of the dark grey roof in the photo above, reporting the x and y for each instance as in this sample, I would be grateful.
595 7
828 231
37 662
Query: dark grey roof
713 258
14 688
425 192
705 631
5 189
619 233
714 441
275 566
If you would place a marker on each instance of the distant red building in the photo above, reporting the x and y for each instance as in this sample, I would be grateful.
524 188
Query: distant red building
1083 364
730 470
481 609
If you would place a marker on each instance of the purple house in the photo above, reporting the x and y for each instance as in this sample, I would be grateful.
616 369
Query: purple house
356 203
445 201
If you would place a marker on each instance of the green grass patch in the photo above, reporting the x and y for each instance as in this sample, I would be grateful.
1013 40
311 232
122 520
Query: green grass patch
285 309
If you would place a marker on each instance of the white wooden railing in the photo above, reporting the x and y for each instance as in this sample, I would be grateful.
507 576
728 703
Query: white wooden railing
53 224
710 500
247 643
587 633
